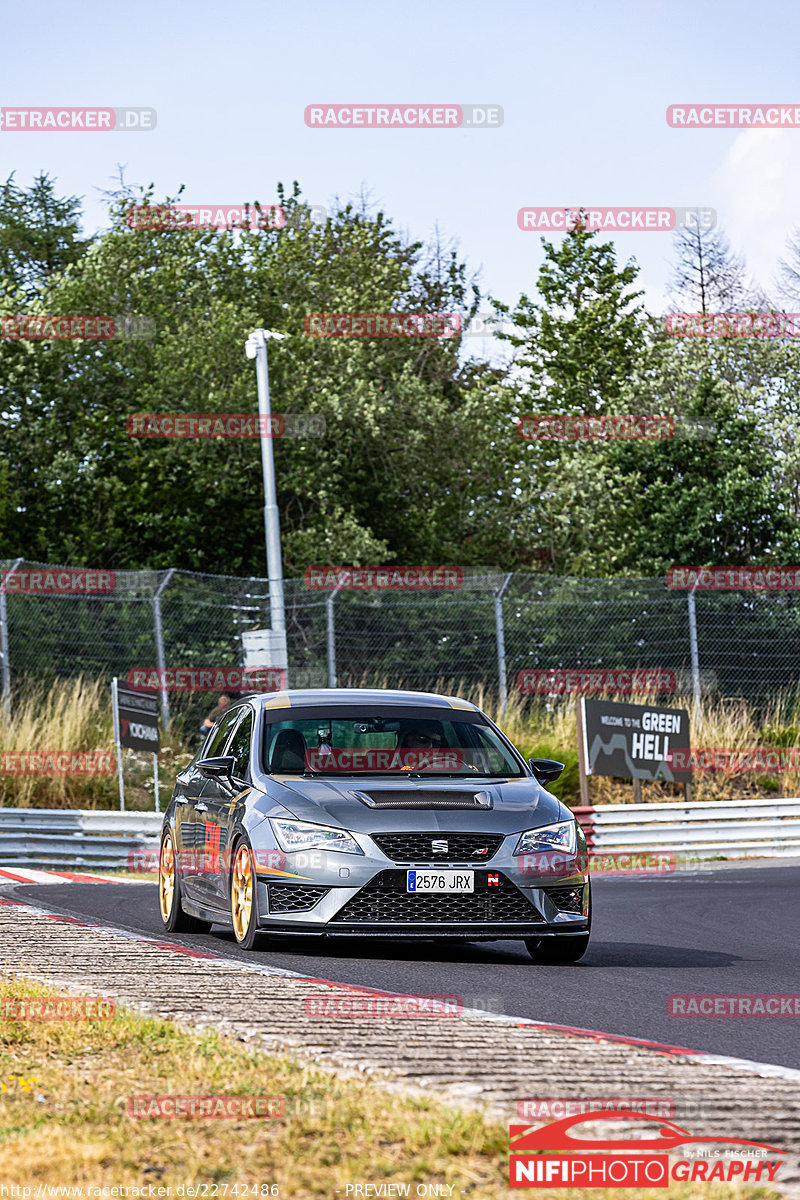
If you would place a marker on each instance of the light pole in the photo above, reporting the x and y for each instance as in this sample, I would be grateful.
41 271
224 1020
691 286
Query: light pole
256 347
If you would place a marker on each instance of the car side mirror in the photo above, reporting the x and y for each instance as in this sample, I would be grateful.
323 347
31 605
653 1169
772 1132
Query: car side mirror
545 769
220 769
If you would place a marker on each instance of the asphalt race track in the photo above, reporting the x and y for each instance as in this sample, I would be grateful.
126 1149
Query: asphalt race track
723 931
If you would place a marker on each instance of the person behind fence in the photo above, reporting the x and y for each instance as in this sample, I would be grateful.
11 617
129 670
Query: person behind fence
212 718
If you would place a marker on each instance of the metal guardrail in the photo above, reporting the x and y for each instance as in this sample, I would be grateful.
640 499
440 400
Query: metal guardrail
68 839
736 828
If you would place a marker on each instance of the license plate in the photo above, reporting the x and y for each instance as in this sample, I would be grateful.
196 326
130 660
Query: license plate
440 881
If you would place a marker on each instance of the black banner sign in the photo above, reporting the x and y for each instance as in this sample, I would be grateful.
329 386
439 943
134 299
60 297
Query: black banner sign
634 741
138 720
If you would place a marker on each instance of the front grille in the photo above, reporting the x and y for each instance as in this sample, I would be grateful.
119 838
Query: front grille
287 897
385 900
567 899
427 798
417 847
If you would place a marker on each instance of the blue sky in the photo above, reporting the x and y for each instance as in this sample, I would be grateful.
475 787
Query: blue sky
584 88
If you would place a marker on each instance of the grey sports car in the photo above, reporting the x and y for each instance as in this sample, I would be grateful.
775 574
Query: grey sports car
358 812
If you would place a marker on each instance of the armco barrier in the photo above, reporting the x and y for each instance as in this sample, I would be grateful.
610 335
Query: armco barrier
736 828
66 839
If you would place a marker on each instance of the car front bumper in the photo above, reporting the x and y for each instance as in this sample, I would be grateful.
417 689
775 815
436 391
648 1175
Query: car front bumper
365 895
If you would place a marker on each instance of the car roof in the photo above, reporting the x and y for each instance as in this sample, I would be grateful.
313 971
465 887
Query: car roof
316 697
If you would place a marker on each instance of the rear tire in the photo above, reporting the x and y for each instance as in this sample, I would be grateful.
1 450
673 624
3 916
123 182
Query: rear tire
174 919
244 897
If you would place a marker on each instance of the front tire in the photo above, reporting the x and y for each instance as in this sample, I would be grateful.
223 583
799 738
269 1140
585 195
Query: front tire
174 919
244 897
555 950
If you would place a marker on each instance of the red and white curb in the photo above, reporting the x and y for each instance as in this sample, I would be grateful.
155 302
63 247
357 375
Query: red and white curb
767 1070
29 875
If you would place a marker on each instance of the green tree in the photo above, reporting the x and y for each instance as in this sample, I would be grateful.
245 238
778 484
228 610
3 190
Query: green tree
40 235
578 342
386 482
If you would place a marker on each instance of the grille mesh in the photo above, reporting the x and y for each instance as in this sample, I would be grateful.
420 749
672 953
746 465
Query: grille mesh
416 847
286 897
385 901
567 899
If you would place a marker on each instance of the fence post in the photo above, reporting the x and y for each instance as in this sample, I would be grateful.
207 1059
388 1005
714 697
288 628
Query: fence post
693 647
331 636
5 665
501 642
158 633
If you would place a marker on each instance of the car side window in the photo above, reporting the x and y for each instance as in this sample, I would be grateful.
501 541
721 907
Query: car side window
214 747
240 745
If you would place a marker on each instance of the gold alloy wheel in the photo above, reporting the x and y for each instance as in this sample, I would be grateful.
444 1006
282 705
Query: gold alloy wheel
166 878
242 893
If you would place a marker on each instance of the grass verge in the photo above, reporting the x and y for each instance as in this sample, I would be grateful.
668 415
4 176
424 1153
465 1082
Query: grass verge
64 1121
75 714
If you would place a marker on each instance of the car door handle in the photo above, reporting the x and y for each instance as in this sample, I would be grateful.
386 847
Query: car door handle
201 808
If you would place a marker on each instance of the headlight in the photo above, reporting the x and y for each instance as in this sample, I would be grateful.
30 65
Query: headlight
548 837
302 835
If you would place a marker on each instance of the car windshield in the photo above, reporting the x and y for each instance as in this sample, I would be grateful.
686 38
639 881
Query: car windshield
406 744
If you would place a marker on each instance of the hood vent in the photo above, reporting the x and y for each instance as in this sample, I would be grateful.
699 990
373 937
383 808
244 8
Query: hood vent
425 798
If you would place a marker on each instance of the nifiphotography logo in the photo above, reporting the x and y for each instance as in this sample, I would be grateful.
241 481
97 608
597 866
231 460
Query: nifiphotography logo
550 1156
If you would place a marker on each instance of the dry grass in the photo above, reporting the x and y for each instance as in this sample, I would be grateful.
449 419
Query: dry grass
71 1127
75 714
547 729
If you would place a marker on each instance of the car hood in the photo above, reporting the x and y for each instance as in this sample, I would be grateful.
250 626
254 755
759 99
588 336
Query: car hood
511 805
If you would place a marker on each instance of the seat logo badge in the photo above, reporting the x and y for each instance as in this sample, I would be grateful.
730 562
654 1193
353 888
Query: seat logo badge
438 846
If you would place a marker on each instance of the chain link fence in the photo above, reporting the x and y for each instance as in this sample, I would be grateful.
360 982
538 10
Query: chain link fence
484 633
